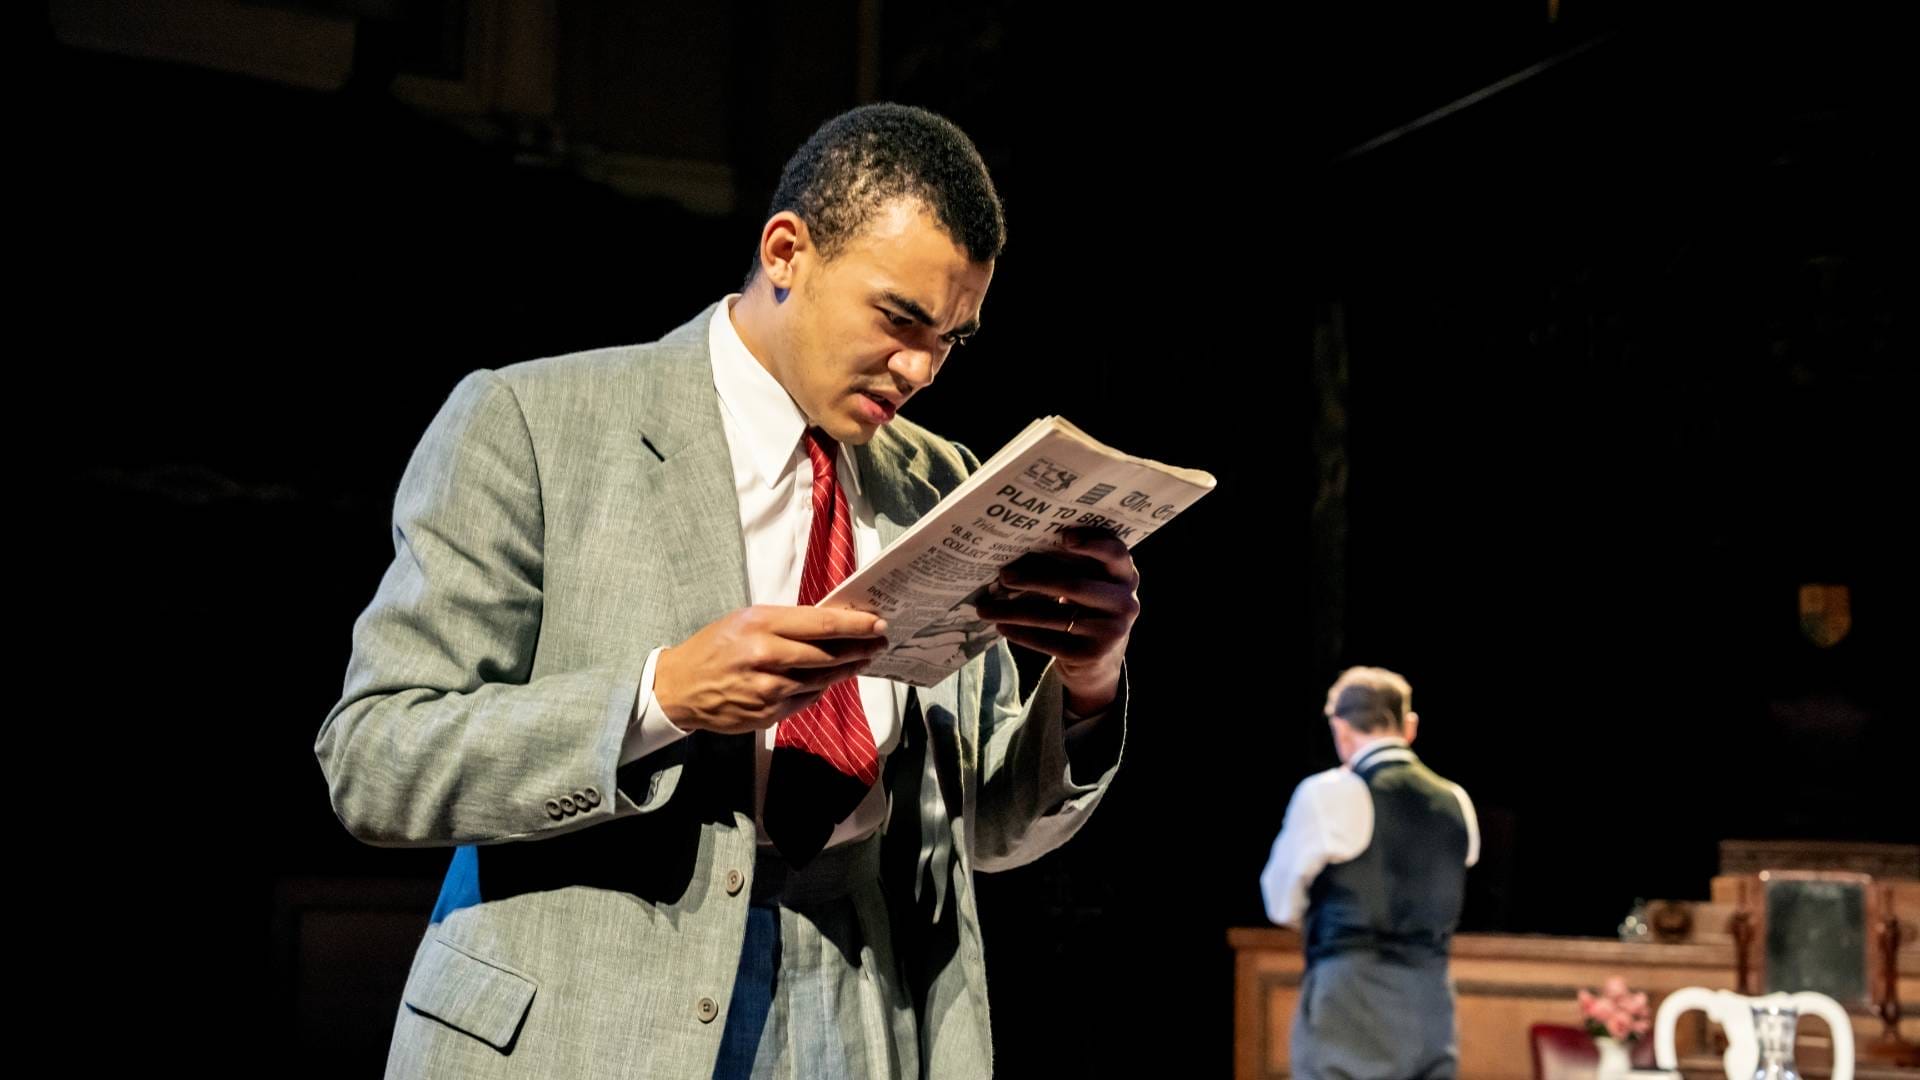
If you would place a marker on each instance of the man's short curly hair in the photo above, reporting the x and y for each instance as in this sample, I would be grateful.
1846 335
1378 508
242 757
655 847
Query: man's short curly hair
866 158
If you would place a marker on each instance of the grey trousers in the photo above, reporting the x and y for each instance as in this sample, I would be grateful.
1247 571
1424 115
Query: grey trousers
1363 1017
816 997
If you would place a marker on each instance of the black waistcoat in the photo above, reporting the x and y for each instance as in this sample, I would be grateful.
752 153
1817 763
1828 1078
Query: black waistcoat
1400 898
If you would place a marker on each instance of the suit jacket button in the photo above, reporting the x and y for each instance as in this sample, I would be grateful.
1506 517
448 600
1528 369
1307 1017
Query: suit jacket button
567 805
735 882
554 811
589 796
706 1010
580 800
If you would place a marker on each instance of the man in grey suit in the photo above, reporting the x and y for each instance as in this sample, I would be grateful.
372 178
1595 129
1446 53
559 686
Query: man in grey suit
691 840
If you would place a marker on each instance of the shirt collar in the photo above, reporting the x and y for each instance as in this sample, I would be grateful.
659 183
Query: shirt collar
1373 749
764 415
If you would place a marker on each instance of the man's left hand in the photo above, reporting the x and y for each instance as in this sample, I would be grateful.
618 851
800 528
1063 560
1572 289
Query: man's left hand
1077 605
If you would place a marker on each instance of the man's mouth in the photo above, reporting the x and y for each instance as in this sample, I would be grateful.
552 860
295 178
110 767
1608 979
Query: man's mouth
880 407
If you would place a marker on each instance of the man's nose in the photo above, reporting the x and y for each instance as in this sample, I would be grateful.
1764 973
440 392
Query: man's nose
916 366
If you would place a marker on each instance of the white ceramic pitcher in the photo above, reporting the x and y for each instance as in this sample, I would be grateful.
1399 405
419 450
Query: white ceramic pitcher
1754 1025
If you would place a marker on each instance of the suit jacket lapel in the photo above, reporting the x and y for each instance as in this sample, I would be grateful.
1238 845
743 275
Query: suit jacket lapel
893 475
688 493
894 480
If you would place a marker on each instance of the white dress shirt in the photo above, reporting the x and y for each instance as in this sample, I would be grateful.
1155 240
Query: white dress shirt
773 481
1330 820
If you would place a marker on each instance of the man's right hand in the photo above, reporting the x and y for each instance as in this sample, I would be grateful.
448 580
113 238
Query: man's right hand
748 669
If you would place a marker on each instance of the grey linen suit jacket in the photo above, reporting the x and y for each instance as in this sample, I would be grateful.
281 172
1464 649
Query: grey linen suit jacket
559 519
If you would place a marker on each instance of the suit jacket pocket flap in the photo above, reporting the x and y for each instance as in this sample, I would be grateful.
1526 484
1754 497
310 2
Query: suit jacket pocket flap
476 996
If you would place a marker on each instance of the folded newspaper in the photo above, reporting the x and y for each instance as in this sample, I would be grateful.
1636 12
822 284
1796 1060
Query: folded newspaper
1051 478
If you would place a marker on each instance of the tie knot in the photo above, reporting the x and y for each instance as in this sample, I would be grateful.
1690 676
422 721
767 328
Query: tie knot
821 450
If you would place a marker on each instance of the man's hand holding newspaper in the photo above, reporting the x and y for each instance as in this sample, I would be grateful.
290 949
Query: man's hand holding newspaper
1076 605
1034 547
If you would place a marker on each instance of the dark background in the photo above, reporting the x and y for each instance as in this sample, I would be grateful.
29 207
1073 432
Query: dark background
1551 402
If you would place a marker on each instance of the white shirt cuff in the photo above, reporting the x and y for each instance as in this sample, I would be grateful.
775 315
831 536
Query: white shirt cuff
649 730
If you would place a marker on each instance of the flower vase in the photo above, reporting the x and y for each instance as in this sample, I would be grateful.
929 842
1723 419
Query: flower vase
1615 1061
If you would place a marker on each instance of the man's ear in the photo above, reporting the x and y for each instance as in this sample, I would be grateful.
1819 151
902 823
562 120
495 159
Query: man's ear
1410 727
1342 737
784 242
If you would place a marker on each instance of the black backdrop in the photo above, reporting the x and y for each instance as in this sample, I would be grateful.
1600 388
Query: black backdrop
1552 403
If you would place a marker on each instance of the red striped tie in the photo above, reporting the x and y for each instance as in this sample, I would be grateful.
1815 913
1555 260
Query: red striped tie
824 760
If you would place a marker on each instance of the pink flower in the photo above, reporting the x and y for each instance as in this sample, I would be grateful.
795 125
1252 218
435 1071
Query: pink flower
1617 1010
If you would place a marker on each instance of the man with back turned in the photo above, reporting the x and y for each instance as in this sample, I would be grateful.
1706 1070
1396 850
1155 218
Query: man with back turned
1371 863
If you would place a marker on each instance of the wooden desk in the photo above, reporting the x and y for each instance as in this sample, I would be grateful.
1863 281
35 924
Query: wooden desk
1508 982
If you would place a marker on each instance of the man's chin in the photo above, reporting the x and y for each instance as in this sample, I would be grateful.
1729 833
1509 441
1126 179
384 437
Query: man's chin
854 428
861 435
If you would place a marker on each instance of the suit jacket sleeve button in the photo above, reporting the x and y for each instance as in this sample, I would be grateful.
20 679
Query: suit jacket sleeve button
554 811
706 1010
568 806
589 796
735 882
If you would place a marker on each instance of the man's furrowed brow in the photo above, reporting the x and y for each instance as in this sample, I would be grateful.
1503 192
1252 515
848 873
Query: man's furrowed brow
921 315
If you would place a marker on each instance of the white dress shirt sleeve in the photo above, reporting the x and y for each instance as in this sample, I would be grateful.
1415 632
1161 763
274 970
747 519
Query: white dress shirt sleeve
1473 823
1329 820
649 730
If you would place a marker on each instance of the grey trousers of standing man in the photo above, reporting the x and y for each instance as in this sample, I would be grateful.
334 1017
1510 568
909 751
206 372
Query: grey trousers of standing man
1366 1017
